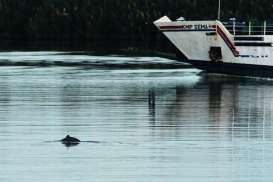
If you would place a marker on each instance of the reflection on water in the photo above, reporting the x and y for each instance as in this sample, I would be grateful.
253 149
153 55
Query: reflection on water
151 101
150 124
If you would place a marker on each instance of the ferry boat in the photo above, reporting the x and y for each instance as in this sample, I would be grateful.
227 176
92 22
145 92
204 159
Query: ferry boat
229 48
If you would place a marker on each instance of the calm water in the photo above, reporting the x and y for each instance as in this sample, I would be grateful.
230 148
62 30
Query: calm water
151 124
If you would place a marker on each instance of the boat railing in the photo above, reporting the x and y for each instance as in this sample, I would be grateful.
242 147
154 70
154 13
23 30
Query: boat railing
249 28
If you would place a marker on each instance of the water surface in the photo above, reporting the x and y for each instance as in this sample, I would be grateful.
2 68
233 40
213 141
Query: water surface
152 124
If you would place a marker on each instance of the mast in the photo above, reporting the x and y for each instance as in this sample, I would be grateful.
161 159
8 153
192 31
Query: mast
219 10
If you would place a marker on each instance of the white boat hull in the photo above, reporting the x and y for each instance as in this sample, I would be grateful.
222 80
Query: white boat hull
250 55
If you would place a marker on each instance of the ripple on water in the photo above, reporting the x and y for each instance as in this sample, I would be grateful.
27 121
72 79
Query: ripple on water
146 124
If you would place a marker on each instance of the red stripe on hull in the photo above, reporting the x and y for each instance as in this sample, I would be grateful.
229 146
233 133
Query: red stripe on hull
228 42
170 27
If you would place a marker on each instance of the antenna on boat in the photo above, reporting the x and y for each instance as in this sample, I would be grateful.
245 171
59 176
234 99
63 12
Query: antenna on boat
219 10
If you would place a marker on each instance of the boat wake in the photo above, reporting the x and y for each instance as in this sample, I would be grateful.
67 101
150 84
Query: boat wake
83 59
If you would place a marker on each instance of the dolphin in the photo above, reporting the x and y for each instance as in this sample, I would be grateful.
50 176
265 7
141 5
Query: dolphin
70 141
